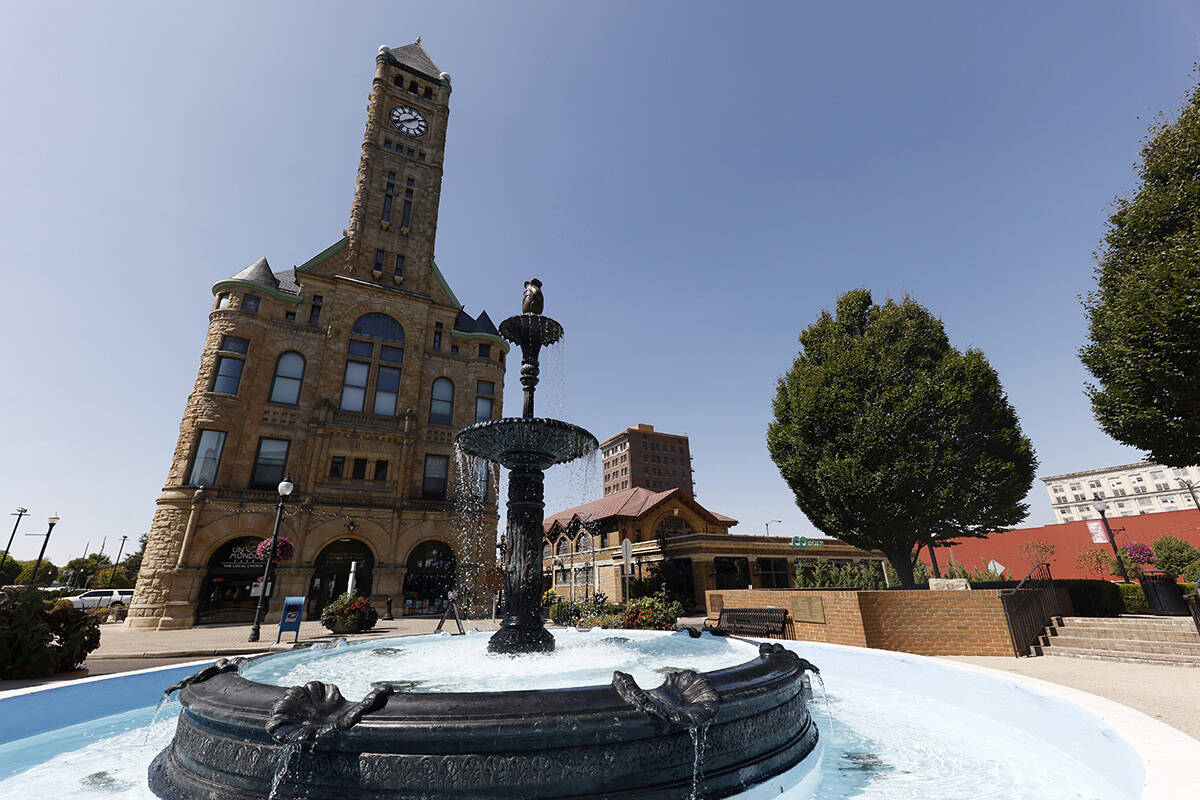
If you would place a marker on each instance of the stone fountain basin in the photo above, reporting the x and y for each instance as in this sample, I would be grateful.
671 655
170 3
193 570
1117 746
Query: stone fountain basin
564 743
516 443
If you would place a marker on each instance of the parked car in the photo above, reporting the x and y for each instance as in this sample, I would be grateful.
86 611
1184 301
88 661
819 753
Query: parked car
102 598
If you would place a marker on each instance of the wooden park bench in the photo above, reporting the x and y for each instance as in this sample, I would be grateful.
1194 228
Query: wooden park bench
760 622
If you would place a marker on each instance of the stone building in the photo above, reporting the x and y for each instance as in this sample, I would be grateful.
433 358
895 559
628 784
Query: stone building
643 457
673 535
351 373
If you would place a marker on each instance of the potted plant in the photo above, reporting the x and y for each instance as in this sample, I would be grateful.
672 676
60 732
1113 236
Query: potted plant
349 614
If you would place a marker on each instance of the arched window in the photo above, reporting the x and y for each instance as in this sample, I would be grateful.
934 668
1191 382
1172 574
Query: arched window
373 363
441 404
289 374
563 547
583 543
378 326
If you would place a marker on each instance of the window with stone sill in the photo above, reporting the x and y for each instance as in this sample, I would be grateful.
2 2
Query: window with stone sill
289 376
207 458
441 402
381 471
250 303
223 300
337 467
433 483
270 463
228 375
359 471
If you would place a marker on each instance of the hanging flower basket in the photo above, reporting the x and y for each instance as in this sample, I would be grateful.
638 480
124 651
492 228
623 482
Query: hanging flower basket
284 549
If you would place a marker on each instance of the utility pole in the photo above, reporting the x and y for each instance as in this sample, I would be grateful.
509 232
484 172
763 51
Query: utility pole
20 512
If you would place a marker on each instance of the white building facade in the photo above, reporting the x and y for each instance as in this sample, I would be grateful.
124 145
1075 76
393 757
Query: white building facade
1142 488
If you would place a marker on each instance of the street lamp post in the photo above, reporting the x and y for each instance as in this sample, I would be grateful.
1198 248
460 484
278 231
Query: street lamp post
1102 507
285 489
20 512
117 563
37 565
768 524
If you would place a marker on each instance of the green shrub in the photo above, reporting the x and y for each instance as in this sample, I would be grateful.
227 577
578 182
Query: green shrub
656 613
76 634
601 621
37 639
920 575
864 575
349 612
62 603
1191 573
1172 554
1093 598
1133 598
548 598
564 612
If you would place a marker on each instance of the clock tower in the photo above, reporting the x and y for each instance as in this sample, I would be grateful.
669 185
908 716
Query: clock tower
349 374
393 220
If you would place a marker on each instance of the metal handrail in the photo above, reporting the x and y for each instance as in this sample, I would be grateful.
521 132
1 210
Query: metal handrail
1193 603
1029 606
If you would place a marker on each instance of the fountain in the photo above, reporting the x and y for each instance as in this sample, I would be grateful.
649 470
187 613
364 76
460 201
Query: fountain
749 721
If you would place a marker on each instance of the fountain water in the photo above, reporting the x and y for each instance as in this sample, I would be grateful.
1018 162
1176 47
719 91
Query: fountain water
713 732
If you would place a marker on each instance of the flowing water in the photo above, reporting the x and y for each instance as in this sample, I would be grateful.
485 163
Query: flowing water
881 743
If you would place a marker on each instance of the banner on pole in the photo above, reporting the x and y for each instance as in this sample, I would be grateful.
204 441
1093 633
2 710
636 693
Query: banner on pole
1097 530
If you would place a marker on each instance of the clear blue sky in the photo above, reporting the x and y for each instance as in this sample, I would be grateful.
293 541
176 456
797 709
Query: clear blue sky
693 181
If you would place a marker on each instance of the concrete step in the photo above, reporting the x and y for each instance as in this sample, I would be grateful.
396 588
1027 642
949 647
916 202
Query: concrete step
1159 634
1132 622
1117 655
1069 639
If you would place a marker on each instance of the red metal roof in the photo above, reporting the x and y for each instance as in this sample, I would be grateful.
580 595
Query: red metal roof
633 502
1069 538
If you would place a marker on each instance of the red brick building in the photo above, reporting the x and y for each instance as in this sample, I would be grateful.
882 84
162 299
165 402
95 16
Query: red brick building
1068 538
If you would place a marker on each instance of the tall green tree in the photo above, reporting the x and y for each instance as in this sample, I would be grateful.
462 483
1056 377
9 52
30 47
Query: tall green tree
1144 316
891 439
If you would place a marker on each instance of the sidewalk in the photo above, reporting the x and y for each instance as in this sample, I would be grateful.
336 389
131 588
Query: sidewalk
1167 693
117 641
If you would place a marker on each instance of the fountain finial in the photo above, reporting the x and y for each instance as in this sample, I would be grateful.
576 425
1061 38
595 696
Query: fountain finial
532 302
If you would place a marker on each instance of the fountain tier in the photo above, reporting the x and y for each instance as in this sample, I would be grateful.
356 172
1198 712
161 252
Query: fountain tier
613 741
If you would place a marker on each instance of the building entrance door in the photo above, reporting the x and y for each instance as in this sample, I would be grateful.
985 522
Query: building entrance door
331 574
227 595
430 575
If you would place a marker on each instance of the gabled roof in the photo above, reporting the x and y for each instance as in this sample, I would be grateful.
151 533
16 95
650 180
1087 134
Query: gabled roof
414 57
635 502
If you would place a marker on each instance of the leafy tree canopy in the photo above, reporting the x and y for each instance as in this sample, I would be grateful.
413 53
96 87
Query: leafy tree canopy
891 439
1144 317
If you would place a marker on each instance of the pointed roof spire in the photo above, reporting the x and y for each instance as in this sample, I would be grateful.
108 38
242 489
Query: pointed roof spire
414 57
259 272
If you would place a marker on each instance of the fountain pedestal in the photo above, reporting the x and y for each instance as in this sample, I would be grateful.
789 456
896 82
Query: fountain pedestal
522 630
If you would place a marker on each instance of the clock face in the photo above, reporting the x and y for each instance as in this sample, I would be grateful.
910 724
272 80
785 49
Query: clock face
408 121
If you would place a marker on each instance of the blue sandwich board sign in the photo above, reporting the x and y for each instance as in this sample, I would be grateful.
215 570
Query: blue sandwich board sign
293 612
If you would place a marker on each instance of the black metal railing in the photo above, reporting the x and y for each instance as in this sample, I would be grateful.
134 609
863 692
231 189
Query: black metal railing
1193 604
1029 607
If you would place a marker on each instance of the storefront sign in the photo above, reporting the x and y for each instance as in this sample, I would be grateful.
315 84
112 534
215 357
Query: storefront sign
803 542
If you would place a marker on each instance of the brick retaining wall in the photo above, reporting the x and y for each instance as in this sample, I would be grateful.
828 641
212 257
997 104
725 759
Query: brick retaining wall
941 623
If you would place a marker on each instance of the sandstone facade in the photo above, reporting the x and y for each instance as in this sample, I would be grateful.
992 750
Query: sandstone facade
351 373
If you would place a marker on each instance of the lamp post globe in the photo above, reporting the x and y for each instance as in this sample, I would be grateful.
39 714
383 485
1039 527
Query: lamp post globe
285 489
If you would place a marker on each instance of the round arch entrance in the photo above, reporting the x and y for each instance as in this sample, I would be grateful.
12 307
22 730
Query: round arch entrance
331 573
430 575
226 594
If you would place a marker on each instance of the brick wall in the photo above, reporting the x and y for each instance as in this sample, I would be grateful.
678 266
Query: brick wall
918 621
